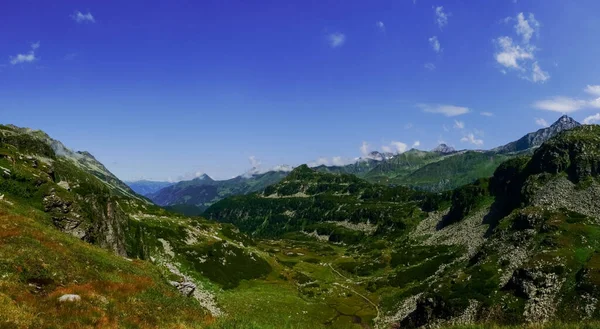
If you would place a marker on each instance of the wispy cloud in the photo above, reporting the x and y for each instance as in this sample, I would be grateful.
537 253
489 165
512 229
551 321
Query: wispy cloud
459 124
447 110
593 90
526 27
27 57
519 56
254 162
487 114
564 104
541 122
441 17
429 66
380 26
592 119
80 17
364 148
336 39
70 56
537 74
470 138
435 44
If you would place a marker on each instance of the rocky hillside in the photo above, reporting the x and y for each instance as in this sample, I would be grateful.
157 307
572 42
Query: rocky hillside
78 197
519 247
339 207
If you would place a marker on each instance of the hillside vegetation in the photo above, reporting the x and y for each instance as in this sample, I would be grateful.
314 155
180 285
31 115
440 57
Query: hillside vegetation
519 247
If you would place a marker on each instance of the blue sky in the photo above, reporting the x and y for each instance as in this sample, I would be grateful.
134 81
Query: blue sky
168 89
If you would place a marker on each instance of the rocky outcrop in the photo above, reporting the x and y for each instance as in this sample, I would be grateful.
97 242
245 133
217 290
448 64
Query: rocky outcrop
63 216
91 218
185 288
540 290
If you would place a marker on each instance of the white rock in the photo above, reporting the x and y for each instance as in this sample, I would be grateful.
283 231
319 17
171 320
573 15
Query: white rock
69 298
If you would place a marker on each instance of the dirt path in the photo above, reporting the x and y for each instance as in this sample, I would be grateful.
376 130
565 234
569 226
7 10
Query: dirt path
354 291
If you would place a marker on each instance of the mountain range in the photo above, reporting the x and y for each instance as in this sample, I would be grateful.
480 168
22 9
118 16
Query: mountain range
440 169
518 247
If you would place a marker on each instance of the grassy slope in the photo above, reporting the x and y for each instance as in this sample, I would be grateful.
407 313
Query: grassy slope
453 171
38 264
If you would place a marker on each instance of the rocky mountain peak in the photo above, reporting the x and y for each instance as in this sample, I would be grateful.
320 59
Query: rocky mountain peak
565 122
536 139
444 149
203 177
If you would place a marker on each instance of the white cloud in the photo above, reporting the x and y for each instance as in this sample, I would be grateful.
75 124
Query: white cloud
416 144
282 168
447 110
526 27
563 104
25 58
80 17
394 147
429 66
593 90
487 114
334 161
560 104
478 132
510 54
338 161
520 57
364 148
470 138
399 146
459 124
320 162
254 162
380 26
541 122
336 39
537 74
592 119
435 44
441 17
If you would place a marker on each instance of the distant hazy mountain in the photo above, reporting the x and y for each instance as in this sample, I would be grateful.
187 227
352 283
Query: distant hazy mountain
193 196
147 187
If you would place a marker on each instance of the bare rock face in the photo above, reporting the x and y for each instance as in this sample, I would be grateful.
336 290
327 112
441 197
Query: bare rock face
92 219
185 288
63 215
